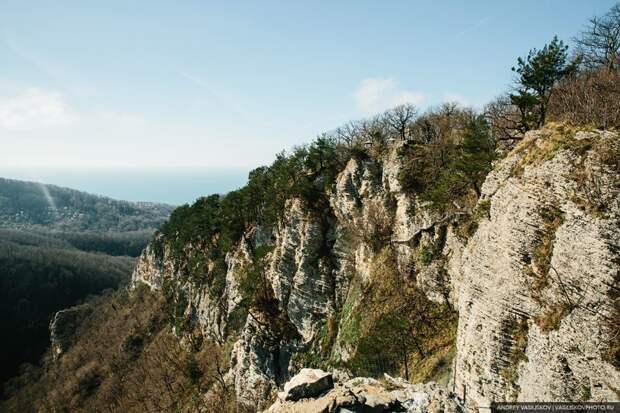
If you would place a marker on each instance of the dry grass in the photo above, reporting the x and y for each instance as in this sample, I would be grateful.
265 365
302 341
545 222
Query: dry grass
538 270
554 137
611 325
597 191
518 330
552 318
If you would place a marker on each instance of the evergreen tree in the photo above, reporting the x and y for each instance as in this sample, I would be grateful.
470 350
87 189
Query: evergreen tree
537 74
478 153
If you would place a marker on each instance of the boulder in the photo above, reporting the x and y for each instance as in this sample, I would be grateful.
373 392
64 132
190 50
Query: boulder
308 383
365 395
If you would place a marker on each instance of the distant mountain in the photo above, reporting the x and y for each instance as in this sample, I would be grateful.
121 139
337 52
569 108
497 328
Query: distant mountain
36 206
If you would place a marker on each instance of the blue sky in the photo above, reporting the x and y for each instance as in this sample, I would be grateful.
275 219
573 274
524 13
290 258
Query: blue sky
155 84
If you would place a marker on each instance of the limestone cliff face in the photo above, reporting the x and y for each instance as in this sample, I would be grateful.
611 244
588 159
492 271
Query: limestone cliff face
533 285
536 279
300 277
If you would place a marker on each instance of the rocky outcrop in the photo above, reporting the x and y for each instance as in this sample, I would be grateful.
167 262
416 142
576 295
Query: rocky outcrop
157 266
153 267
533 281
64 326
366 395
300 277
311 286
536 279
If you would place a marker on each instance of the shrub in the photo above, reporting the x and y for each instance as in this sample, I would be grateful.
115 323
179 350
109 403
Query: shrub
467 226
591 98
518 330
448 172
426 253
192 370
393 326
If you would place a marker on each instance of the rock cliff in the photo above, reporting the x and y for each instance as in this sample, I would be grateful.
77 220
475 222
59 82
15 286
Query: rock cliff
532 271
537 281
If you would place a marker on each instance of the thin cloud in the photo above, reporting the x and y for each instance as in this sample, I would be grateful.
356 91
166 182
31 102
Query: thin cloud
34 109
222 100
33 60
473 27
377 94
72 81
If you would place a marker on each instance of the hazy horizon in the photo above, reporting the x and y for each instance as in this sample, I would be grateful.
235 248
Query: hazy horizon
174 186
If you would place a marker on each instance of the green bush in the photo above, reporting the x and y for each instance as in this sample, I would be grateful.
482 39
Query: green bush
426 253
192 370
450 170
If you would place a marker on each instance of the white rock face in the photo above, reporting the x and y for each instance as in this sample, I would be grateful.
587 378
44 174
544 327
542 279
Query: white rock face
152 269
255 364
499 297
533 289
236 261
210 312
300 282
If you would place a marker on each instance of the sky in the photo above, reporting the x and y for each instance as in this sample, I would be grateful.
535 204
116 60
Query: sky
123 85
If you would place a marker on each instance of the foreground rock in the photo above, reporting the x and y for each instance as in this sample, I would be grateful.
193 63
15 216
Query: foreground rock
307 383
366 395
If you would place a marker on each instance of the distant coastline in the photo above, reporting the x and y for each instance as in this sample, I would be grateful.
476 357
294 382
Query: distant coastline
174 186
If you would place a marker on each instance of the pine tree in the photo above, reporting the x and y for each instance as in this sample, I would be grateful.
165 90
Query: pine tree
537 74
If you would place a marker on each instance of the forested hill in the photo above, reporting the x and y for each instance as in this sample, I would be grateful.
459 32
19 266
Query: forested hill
58 247
31 205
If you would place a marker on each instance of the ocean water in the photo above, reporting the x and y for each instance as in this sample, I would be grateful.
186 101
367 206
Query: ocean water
175 186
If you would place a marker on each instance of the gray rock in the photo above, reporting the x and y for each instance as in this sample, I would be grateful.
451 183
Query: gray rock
308 383
503 352
366 395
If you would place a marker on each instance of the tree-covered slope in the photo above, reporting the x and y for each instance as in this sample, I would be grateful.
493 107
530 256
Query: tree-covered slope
38 280
31 205
59 246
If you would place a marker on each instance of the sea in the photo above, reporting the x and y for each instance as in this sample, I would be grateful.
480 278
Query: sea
174 186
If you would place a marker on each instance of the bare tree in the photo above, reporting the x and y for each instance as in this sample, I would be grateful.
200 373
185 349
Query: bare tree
348 134
400 118
591 98
599 43
504 119
372 130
